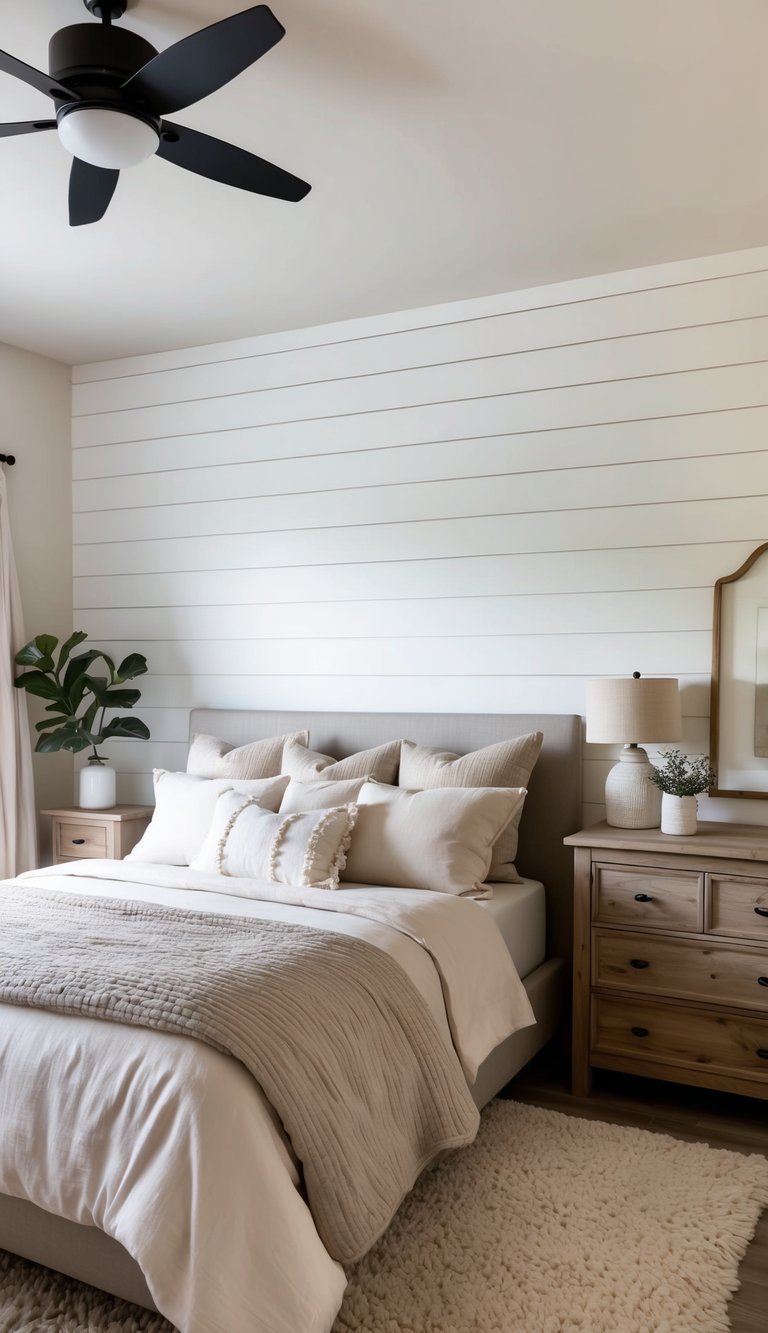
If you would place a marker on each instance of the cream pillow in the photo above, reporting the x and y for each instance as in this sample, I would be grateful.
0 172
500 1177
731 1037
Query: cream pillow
506 764
212 758
303 848
381 763
184 806
320 795
440 839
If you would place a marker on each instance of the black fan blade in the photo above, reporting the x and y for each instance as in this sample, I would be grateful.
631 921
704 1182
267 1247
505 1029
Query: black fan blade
198 65
90 190
26 127
224 162
44 83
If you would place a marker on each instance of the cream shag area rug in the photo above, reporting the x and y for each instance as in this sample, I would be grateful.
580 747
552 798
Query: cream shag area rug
547 1224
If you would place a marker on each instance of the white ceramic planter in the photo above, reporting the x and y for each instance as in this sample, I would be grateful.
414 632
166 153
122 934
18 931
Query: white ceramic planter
97 786
678 814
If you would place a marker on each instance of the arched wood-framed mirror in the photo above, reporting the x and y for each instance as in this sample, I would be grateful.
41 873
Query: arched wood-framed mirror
738 726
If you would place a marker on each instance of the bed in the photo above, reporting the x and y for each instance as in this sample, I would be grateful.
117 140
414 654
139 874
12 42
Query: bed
533 917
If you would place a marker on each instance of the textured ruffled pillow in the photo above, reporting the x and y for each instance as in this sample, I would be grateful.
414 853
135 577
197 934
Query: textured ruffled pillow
184 807
304 765
506 764
211 758
304 848
440 839
319 795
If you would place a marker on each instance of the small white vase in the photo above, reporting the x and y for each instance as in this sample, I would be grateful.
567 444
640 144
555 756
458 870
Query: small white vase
97 786
678 813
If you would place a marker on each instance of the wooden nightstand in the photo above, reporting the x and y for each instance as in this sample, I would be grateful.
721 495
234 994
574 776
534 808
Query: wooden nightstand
670 956
77 833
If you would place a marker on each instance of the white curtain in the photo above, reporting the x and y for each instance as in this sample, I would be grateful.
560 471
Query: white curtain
18 821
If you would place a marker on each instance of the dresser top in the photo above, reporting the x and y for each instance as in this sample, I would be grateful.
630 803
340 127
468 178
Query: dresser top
742 842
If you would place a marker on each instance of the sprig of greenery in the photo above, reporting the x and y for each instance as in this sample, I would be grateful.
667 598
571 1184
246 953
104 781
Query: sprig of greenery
681 776
68 683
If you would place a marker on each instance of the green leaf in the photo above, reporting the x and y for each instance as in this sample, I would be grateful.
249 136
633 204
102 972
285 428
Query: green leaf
37 653
66 738
66 648
133 665
131 727
89 716
48 722
117 698
78 667
36 682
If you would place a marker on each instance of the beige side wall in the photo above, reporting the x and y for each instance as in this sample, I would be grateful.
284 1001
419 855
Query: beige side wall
35 427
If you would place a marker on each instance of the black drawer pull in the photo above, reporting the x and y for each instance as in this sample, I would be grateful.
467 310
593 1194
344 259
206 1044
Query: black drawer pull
643 1032
641 962
761 1051
645 898
78 841
762 981
762 911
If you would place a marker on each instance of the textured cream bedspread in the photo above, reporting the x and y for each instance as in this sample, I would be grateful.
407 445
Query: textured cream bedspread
172 1149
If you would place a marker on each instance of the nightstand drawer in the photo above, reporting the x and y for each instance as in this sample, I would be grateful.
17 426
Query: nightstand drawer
76 840
681 1036
717 973
738 907
653 899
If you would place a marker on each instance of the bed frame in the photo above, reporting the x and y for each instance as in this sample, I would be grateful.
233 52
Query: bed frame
552 811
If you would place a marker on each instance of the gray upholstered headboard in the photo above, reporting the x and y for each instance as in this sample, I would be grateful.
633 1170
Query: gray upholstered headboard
552 807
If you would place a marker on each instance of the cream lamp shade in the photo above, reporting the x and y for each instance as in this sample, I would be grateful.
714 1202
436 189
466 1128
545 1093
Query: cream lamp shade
630 709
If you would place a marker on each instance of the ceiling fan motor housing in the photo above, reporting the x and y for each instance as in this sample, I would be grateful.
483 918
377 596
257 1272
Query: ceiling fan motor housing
89 56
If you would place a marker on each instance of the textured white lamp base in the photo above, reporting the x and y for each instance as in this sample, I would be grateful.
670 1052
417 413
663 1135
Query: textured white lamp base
631 799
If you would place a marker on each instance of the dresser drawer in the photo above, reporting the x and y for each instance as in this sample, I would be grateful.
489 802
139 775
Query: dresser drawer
719 973
654 899
677 1035
77 840
738 907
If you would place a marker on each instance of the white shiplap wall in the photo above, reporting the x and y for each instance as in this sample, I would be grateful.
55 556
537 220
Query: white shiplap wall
474 507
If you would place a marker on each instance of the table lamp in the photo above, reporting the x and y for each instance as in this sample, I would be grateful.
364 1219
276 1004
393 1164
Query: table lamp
630 709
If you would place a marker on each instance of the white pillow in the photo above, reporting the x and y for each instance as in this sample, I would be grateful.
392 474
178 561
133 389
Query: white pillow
441 839
320 795
382 763
211 758
184 806
506 764
305 848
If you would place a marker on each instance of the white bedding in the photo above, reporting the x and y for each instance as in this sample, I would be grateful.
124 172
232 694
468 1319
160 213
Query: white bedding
171 1148
520 912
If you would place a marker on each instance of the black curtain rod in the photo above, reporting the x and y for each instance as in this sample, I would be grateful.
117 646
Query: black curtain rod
7 458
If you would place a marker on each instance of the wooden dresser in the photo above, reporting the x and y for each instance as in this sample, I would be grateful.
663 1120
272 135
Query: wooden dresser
671 956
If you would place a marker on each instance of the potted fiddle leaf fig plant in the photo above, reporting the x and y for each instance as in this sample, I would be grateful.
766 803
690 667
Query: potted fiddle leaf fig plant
680 779
80 693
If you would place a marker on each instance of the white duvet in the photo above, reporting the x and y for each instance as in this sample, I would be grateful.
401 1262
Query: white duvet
171 1147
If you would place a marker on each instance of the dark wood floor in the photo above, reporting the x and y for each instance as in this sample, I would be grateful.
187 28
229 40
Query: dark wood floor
724 1121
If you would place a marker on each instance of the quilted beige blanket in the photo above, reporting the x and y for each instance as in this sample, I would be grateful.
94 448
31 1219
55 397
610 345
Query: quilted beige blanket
332 1029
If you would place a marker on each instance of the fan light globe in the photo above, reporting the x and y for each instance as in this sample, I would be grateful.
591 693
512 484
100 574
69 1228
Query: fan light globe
106 138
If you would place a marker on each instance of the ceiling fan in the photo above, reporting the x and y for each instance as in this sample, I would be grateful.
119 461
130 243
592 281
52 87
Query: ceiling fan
111 91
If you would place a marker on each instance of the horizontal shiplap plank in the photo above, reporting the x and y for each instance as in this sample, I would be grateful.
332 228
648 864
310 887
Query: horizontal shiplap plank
543 573
678 609
591 366
503 693
591 488
730 519
663 653
639 313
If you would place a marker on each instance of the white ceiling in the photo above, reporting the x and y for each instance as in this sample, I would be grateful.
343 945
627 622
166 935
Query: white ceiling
455 149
